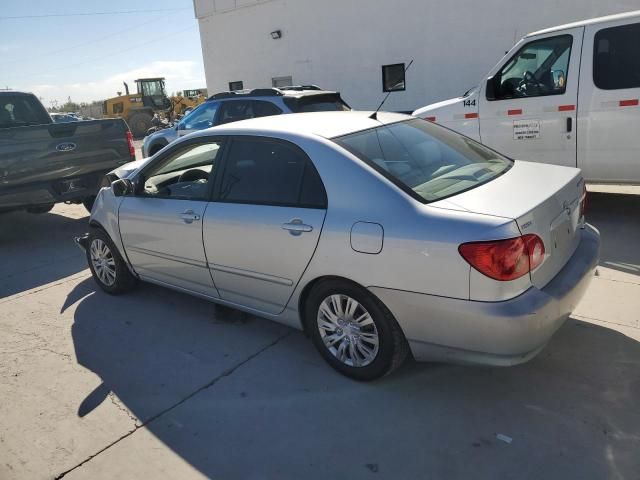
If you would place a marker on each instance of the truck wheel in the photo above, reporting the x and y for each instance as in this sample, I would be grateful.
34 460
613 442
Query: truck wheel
354 332
139 124
40 208
88 203
107 265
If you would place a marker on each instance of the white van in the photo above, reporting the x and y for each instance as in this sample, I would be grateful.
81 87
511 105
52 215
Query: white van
567 95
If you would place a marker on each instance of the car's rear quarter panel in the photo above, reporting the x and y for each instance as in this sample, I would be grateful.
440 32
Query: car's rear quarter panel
420 247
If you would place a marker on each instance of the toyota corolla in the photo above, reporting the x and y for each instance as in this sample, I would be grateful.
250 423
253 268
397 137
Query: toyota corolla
382 236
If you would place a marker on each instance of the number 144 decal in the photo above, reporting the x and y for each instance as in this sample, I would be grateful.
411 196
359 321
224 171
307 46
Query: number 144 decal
469 103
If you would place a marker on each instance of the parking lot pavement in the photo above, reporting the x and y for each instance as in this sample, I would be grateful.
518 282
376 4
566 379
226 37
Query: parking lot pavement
157 384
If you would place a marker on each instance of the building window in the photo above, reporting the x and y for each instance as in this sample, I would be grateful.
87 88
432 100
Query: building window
393 79
233 86
277 82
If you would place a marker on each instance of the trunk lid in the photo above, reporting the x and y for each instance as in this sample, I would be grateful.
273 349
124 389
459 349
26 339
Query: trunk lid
543 200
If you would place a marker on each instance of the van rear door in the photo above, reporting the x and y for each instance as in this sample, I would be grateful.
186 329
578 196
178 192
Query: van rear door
609 114
528 109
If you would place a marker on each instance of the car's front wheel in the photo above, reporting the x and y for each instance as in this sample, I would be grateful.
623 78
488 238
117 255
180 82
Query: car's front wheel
107 265
354 332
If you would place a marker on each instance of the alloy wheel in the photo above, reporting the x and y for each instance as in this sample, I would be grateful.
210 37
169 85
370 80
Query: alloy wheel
103 262
348 330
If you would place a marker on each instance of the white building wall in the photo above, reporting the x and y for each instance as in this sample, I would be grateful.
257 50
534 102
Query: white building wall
342 44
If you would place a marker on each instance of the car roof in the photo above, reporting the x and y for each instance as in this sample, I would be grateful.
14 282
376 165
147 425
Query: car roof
591 21
323 124
270 93
14 92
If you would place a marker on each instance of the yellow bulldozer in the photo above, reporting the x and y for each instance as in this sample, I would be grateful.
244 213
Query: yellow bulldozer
187 100
138 108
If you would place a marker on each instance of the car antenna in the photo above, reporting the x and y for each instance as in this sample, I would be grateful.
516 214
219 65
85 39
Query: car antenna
374 115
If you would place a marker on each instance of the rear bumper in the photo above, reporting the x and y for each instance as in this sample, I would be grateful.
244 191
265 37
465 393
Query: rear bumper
71 189
494 333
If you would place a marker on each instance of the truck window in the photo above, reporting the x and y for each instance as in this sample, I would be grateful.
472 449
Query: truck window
539 68
616 57
21 110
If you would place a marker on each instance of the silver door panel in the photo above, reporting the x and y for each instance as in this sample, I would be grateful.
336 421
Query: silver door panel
257 253
163 240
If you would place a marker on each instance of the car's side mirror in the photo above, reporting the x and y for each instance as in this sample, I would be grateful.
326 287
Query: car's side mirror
122 187
558 79
490 90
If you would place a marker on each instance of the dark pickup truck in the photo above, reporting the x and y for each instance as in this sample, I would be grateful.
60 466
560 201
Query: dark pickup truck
43 163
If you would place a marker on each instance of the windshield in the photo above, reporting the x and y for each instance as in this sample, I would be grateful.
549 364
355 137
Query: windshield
427 161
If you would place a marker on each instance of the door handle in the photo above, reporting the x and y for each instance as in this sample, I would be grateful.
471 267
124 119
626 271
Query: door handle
189 217
569 124
296 227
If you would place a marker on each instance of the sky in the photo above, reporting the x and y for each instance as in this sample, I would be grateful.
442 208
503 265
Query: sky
87 57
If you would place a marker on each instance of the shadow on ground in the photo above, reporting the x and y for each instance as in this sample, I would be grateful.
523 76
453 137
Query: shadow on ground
272 409
38 249
616 216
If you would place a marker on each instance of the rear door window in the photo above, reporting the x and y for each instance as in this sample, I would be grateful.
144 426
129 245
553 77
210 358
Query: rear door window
262 108
234 111
616 57
270 172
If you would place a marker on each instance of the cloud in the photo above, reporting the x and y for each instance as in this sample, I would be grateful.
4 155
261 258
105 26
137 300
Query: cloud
179 74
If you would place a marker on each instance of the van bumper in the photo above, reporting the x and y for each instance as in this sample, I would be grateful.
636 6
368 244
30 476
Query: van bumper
493 333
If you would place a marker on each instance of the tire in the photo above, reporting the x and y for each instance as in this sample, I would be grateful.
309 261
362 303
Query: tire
38 209
88 203
139 123
107 266
354 353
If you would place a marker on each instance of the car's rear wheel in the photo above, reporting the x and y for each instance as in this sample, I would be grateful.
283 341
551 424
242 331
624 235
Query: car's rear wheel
354 332
107 265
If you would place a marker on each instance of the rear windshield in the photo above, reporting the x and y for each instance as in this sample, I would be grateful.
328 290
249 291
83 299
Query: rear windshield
427 161
329 102
21 110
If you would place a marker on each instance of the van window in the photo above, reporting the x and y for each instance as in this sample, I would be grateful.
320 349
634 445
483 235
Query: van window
616 57
539 68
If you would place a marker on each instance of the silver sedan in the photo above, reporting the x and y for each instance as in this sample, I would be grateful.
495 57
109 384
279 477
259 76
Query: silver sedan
382 236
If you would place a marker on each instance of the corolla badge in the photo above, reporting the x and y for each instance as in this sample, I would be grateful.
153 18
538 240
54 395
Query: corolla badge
66 147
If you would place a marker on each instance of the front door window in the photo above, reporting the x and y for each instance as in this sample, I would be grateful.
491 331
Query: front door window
539 68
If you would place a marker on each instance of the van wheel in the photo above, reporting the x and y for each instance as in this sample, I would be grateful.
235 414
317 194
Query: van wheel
107 266
353 331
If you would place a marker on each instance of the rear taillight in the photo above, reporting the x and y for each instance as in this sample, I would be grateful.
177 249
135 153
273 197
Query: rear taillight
507 259
583 201
132 147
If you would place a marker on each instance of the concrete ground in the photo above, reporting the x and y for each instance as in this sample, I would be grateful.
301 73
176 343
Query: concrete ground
157 384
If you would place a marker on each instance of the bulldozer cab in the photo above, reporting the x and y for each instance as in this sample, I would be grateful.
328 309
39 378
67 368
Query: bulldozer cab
153 93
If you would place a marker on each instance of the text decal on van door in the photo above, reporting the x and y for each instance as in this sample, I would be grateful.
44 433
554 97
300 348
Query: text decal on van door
526 129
